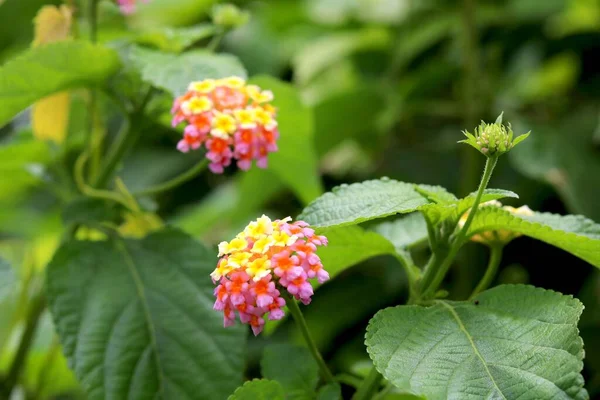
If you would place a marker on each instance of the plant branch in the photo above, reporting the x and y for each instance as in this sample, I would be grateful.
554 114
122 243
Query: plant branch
173 183
369 386
90 191
492 268
439 271
301 322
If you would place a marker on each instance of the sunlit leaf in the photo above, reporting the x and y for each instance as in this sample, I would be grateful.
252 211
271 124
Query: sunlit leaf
259 389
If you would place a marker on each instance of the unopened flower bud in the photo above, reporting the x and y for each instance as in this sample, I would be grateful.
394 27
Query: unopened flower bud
493 139
229 16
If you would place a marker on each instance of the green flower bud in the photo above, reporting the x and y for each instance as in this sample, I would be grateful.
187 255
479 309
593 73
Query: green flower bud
229 16
493 139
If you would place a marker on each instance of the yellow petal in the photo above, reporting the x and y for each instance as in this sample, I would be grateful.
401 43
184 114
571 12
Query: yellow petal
50 117
52 24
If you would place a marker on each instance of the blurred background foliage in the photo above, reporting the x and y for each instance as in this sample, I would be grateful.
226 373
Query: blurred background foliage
385 87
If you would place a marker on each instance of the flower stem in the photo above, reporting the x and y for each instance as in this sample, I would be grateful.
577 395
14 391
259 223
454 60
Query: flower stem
492 268
439 271
301 322
369 386
178 180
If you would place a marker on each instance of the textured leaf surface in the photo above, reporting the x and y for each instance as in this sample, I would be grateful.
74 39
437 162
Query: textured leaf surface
259 389
47 69
296 161
454 209
293 367
135 319
359 202
573 233
174 72
350 245
514 341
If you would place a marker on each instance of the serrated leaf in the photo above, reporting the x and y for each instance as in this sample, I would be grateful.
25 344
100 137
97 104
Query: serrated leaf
174 72
404 232
573 233
359 202
436 213
47 69
350 245
513 341
296 161
259 389
436 194
135 316
293 367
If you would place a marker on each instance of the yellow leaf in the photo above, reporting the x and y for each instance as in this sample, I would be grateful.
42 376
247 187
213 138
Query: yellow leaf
50 117
52 24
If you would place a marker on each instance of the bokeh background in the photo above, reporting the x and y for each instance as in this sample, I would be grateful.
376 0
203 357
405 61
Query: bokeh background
389 85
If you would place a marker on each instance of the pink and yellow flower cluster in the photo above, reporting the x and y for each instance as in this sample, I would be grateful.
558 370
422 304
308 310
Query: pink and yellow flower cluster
233 120
128 6
260 262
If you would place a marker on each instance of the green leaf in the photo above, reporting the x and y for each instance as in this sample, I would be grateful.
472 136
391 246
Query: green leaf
174 72
18 160
175 39
437 213
350 245
296 161
436 194
259 389
573 233
51 68
7 279
359 202
293 367
135 316
86 209
404 232
332 391
513 341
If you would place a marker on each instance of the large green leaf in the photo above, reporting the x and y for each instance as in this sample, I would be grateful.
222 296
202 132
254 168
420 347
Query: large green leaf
135 318
293 367
296 161
513 341
174 72
573 233
259 389
350 245
359 202
7 279
18 160
47 69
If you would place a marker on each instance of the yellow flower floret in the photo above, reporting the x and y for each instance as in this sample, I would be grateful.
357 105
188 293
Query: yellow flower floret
223 268
257 95
239 259
234 82
223 125
259 268
237 244
262 245
245 118
205 86
265 118
261 227
282 239
197 105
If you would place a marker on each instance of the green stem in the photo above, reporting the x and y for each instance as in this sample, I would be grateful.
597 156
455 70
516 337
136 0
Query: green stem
301 322
93 19
90 191
38 306
412 273
178 180
216 40
439 271
492 268
369 387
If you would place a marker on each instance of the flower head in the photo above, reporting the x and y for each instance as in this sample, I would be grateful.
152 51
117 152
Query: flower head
231 119
128 6
264 259
501 236
493 139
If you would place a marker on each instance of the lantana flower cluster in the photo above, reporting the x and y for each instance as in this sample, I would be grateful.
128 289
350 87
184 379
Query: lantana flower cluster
128 6
231 119
262 261
502 236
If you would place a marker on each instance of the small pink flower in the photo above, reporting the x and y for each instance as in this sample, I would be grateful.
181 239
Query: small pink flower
265 259
128 6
